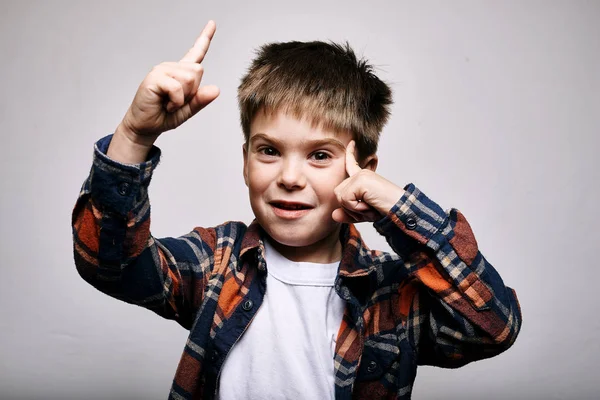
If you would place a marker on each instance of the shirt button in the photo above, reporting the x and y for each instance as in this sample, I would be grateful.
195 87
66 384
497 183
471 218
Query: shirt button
124 188
247 306
411 223
371 367
214 356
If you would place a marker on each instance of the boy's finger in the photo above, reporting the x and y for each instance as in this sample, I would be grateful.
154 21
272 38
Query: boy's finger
204 96
346 216
352 166
198 51
190 80
173 89
361 206
341 215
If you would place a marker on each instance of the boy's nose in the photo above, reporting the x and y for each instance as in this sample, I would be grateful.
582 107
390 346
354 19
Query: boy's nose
291 176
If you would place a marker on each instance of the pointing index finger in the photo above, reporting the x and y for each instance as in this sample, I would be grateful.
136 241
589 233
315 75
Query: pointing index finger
198 51
352 166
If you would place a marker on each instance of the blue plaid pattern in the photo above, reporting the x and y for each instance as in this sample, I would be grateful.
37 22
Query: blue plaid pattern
435 301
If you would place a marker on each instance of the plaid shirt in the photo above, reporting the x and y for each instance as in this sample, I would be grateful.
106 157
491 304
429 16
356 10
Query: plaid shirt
436 301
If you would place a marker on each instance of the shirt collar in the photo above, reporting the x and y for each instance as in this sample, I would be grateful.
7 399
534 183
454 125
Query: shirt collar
356 261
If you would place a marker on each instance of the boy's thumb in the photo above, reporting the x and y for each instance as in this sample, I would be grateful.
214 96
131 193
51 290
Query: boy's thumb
203 97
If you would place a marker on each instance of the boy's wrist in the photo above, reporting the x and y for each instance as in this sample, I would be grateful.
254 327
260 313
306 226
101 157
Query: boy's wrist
390 197
127 148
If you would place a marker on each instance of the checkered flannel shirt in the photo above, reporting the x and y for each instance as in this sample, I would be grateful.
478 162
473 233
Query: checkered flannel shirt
436 301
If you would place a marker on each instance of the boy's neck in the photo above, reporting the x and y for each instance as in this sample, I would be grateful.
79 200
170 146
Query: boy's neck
325 251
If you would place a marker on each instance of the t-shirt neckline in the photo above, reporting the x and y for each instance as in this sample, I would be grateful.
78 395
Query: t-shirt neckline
299 273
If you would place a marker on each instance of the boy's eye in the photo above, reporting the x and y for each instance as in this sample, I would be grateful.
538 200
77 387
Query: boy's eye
268 151
320 156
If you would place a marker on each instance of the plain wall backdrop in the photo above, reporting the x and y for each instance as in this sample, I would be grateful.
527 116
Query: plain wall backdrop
496 113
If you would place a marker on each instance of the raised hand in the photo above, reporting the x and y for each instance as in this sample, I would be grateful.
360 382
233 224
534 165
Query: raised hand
167 97
364 195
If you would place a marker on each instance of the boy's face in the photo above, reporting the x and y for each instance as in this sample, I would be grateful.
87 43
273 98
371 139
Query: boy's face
291 169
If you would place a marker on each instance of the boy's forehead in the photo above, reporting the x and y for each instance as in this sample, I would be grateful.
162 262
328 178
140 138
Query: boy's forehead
280 125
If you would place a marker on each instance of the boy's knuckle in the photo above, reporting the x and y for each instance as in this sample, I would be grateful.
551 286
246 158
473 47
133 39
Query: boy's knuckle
177 92
154 71
189 78
363 176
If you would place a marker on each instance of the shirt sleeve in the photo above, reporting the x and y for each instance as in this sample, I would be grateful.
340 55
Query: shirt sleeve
456 306
115 252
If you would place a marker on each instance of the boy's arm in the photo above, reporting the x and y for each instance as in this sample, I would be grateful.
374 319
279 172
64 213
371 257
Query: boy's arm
456 307
115 252
113 248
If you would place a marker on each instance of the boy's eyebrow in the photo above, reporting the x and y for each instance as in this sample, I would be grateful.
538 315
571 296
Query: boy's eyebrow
310 143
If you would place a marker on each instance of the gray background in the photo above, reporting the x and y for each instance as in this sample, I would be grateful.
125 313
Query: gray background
496 113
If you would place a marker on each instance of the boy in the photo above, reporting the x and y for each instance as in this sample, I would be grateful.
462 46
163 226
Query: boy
295 305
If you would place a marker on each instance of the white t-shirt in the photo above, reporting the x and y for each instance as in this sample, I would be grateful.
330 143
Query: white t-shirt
287 351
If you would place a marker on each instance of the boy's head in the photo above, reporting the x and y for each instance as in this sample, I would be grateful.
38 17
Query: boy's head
301 104
323 83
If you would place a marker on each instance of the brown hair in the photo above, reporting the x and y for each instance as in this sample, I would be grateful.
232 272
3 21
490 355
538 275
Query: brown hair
323 82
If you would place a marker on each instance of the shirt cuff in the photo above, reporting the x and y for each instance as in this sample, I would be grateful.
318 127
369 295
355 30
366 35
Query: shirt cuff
415 215
117 187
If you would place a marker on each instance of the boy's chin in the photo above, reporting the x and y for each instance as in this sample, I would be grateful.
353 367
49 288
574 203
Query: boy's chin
291 241
293 238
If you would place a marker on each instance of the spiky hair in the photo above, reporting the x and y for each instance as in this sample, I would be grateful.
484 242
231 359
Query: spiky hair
323 82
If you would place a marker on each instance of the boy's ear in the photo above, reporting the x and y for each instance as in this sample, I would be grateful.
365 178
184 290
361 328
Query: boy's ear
370 162
245 152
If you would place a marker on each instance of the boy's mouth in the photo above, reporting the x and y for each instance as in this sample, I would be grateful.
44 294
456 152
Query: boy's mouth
289 210
287 205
